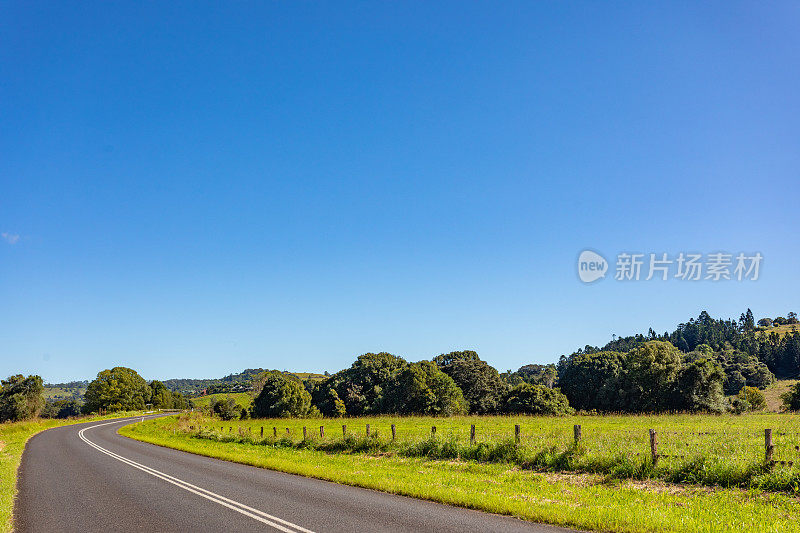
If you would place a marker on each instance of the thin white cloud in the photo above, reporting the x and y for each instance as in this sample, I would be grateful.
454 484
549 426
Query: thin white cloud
10 238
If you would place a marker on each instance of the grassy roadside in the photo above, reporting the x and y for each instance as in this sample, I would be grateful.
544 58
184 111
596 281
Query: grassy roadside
13 437
581 501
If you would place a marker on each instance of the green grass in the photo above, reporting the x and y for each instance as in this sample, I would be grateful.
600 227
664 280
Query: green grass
780 330
586 501
242 399
13 437
58 393
711 450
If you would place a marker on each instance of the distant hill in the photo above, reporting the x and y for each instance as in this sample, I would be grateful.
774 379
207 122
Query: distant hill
242 399
232 383
73 390
780 330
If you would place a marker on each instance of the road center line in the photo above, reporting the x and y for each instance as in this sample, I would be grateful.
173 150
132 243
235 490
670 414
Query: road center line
255 514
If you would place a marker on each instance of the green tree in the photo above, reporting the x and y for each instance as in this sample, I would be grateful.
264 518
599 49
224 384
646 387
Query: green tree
282 395
530 399
62 409
791 398
361 387
646 383
754 398
160 396
699 387
225 408
421 388
21 398
590 380
117 389
480 382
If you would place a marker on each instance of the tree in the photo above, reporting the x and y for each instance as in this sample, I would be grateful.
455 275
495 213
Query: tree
361 387
646 382
791 398
546 375
536 400
61 409
791 318
283 395
479 382
765 322
421 388
226 408
21 398
699 387
117 389
160 396
589 380
755 398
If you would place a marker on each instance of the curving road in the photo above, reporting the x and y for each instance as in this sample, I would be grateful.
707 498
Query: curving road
88 478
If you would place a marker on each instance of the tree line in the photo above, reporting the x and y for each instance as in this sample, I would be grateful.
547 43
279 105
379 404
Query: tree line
704 365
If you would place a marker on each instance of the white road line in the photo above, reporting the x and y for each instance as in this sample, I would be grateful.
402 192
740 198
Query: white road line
255 514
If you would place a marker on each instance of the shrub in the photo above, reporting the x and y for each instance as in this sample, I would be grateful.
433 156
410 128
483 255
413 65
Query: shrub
21 398
226 409
282 396
791 399
754 397
536 400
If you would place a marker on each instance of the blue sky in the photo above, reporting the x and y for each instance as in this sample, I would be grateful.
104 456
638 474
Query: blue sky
192 189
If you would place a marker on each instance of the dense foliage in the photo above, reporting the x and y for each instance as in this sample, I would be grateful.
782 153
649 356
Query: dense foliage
62 408
526 398
21 398
117 389
282 395
479 382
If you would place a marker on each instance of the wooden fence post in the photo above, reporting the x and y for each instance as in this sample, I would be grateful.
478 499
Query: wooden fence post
472 434
287 431
262 432
394 432
769 448
305 434
275 432
344 430
230 430
433 431
577 431
516 433
367 430
322 432
654 446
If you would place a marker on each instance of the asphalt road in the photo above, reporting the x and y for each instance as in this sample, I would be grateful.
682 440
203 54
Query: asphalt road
88 478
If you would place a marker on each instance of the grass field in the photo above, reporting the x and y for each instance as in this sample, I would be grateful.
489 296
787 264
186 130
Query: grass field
58 393
582 500
13 437
780 330
242 399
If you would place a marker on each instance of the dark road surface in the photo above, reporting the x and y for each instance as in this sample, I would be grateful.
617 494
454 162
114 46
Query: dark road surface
87 478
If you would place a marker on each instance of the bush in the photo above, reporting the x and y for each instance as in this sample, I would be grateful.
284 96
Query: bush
21 398
754 398
61 409
536 400
791 399
282 396
226 409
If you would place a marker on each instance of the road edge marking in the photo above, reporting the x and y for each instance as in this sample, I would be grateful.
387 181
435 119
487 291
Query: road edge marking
261 516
